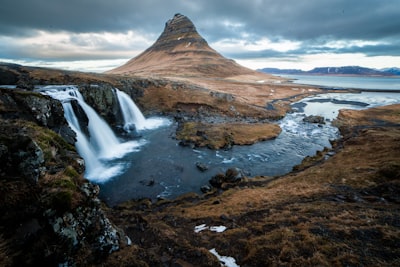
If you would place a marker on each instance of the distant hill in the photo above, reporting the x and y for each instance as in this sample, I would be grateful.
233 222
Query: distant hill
181 51
346 70
281 71
394 71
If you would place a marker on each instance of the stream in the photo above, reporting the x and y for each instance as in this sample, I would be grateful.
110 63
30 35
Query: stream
161 168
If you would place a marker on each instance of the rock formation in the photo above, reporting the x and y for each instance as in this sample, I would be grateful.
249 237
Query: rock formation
49 214
181 51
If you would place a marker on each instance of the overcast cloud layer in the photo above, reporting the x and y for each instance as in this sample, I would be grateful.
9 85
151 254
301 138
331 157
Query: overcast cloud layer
257 33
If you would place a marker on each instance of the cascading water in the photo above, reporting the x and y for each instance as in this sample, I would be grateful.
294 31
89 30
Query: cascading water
101 144
130 112
133 117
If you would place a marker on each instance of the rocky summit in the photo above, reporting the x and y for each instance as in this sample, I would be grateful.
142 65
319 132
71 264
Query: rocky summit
180 51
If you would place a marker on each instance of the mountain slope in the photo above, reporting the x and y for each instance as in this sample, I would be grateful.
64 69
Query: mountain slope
181 51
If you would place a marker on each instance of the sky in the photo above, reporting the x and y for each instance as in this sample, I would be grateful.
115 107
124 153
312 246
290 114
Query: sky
98 35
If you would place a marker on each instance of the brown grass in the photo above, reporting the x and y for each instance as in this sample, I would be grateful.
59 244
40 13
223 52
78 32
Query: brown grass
216 136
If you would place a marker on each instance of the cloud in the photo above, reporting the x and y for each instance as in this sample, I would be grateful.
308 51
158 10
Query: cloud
103 29
74 46
290 19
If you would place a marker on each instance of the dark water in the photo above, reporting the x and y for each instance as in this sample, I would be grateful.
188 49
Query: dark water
162 168
173 169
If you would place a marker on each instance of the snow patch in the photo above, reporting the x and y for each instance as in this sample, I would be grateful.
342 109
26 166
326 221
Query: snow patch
199 228
202 227
224 260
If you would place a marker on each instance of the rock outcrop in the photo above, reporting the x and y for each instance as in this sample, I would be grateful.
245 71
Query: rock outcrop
49 214
104 100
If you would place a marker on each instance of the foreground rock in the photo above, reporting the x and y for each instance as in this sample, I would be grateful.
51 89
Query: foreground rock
49 214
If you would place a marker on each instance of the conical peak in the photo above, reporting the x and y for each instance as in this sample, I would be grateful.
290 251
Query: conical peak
181 51
179 30
180 24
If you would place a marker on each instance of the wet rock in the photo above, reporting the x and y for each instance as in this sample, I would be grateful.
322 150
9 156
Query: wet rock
201 166
234 175
149 182
217 180
231 176
104 100
81 116
205 189
314 119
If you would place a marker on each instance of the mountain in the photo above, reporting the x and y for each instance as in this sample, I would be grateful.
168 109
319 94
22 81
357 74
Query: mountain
181 51
346 70
281 71
394 71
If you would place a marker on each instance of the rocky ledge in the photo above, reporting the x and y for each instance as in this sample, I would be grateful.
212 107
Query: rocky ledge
49 214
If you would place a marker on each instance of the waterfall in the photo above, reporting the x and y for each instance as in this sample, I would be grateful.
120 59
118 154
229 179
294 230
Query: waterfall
130 112
133 117
101 144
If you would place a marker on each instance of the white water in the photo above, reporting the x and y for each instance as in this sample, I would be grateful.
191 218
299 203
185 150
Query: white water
134 117
101 145
130 112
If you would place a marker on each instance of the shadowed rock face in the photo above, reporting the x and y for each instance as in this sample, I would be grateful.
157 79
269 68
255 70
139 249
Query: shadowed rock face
181 51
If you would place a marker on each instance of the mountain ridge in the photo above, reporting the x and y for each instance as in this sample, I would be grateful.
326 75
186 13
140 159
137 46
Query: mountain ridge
344 70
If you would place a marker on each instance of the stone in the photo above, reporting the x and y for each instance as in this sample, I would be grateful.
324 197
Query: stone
205 188
234 175
201 166
314 119
217 180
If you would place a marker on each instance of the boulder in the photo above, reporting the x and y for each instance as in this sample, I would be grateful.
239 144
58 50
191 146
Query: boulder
314 119
234 175
231 176
201 166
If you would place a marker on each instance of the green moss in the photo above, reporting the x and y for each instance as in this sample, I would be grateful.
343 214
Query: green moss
71 172
64 183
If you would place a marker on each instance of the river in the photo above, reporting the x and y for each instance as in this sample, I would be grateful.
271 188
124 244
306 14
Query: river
164 169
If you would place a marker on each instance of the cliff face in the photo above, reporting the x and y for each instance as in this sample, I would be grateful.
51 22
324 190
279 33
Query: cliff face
181 51
49 214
